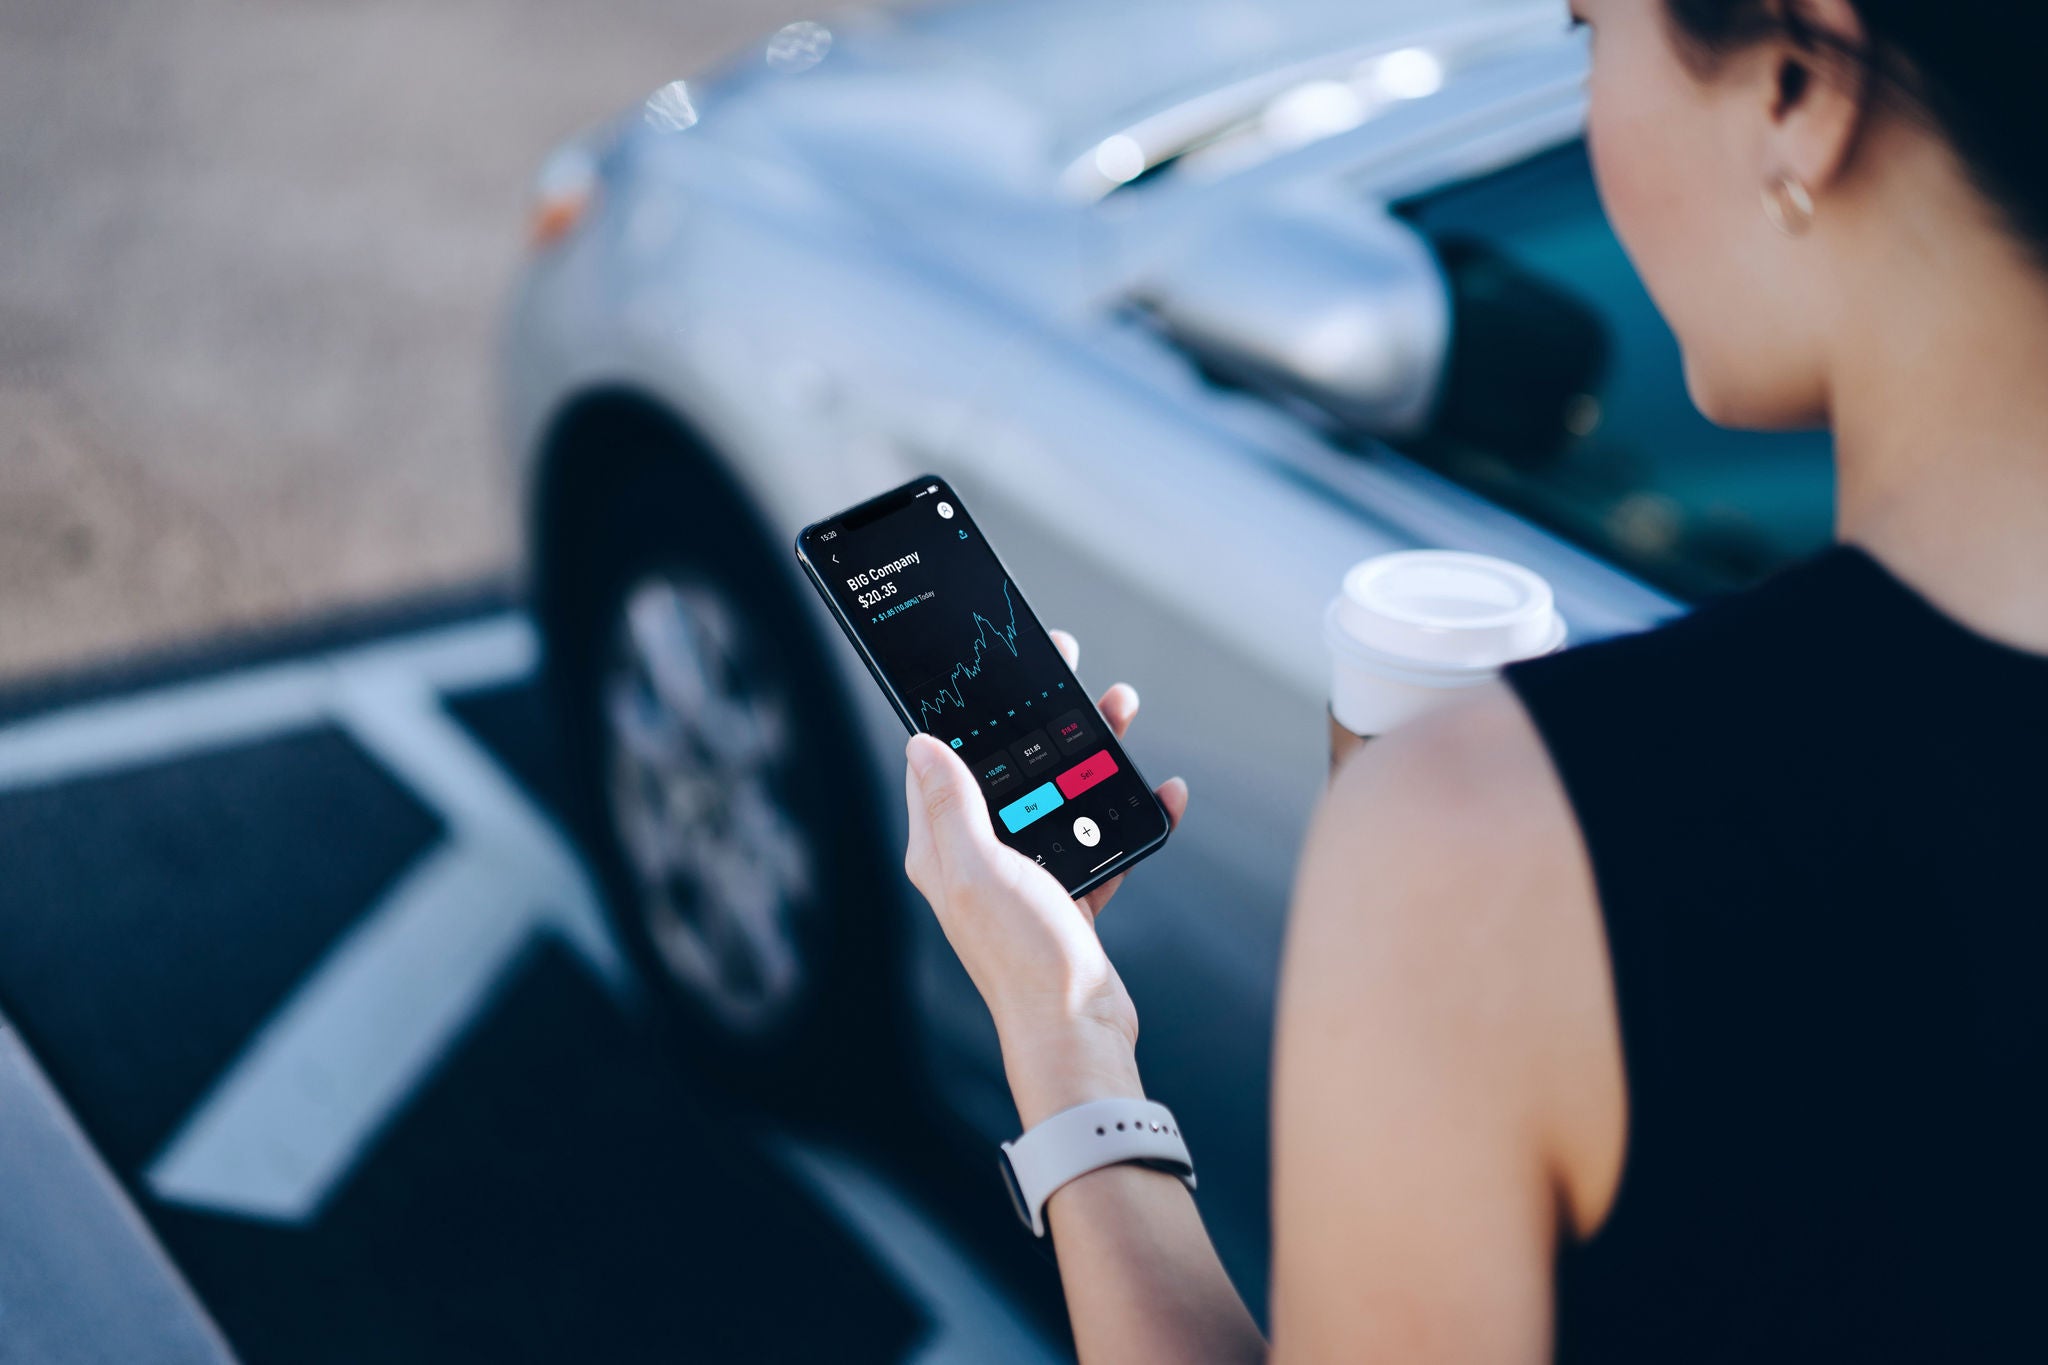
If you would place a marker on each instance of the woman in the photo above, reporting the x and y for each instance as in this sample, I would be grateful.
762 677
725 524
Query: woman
1676 999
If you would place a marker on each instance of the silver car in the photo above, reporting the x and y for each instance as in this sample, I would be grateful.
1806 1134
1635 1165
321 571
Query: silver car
1197 304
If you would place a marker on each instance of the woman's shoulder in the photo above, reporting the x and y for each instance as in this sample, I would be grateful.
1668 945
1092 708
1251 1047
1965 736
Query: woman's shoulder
1446 893
1473 781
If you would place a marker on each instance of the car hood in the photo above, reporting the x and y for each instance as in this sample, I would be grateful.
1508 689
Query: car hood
1086 66
949 125
1004 91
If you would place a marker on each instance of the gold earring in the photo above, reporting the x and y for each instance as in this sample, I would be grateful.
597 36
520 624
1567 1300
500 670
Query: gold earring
1788 205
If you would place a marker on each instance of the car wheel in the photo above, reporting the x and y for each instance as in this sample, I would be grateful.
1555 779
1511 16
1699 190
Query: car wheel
720 787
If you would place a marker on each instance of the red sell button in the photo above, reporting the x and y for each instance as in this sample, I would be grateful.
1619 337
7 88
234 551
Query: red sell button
1085 774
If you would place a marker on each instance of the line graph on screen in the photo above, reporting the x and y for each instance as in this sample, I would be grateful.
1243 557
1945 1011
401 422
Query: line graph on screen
987 634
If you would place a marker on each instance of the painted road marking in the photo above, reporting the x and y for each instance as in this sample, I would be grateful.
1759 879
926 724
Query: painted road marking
303 1103
241 708
300 1107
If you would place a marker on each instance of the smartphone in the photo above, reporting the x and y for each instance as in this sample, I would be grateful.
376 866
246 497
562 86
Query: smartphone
947 633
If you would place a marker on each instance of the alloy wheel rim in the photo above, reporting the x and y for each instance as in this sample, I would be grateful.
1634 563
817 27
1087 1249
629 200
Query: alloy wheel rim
698 748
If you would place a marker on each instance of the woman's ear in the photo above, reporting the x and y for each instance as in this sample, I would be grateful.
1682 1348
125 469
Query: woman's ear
1817 92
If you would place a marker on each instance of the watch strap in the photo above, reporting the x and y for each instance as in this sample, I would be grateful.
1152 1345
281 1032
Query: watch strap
1087 1138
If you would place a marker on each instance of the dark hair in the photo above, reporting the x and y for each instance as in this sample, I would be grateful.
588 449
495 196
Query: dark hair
1971 67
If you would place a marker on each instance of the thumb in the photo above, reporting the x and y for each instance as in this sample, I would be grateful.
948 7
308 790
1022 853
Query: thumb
953 809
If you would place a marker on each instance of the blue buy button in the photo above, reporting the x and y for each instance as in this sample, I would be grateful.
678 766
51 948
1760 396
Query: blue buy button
1030 806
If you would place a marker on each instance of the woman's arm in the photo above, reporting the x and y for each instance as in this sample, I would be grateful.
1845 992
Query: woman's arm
1141 1277
1142 1280
1416 1198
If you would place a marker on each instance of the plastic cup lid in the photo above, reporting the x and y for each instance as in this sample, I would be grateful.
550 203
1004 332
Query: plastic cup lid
1447 609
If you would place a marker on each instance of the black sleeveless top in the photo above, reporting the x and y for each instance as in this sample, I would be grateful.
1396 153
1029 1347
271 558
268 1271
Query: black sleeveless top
1818 822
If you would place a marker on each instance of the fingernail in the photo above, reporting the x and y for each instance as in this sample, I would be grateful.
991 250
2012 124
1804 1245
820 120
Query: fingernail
922 752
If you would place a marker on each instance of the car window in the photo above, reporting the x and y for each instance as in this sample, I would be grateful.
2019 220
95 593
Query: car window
1565 399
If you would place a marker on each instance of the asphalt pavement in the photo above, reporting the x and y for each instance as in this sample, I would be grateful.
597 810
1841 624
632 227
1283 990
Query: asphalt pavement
290 921
295 931
252 259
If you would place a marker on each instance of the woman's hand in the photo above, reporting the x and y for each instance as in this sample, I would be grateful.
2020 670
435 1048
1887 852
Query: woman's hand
1067 1026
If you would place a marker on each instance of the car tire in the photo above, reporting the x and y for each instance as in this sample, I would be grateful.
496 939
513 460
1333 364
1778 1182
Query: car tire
715 777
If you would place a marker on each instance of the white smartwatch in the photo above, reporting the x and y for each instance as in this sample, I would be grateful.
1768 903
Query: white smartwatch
1086 1138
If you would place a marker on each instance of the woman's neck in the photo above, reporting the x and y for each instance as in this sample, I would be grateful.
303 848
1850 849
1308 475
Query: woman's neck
1940 412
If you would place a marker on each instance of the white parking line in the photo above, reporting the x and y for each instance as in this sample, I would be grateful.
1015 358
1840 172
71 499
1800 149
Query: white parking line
302 1104
281 1130
284 1127
110 736
241 708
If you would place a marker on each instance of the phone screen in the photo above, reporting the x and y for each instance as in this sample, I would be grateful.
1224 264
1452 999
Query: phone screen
945 630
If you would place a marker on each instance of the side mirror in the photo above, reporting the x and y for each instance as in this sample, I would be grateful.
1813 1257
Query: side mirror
1335 303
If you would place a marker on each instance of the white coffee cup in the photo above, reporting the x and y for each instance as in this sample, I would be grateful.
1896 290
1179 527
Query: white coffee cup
1412 631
